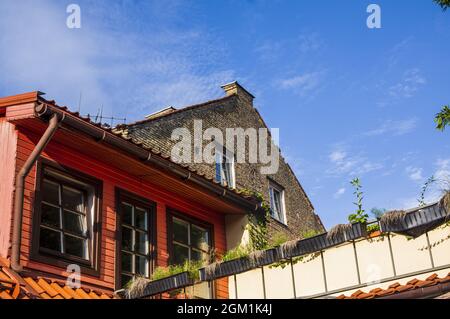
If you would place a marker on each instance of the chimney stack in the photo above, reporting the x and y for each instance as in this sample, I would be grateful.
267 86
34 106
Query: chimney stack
235 88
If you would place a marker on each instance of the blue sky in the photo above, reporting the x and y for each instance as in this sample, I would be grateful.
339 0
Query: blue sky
349 101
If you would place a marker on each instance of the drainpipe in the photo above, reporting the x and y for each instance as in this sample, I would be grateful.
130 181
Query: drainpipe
19 191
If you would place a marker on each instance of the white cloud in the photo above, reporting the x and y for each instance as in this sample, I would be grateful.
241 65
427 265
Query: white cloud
337 156
116 61
352 165
396 128
339 193
303 84
442 173
410 83
414 173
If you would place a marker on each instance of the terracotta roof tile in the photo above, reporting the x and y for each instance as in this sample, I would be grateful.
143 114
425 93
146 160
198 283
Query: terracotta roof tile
13 286
397 288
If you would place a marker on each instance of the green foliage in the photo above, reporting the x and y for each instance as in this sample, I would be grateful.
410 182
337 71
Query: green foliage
373 228
257 226
445 4
278 239
425 187
191 267
310 233
236 253
442 118
359 216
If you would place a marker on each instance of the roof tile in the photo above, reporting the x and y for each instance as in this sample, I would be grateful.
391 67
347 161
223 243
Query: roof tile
397 288
13 286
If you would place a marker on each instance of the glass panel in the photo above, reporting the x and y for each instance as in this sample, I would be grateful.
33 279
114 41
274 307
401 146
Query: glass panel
127 239
141 218
73 199
141 266
50 239
127 214
50 216
180 254
197 255
75 223
199 238
141 243
75 246
180 231
126 279
50 192
127 261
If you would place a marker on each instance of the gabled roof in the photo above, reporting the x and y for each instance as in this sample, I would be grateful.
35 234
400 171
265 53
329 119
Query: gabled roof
14 286
50 106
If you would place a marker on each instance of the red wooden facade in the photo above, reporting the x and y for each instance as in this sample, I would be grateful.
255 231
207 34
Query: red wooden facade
20 130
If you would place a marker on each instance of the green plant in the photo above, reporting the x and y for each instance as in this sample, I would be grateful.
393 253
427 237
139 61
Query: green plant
191 267
277 239
445 4
257 226
236 253
425 187
359 216
373 228
309 233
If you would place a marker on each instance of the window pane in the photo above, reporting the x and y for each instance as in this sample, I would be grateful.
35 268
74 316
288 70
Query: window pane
127 238
197 255
141 266
75 246
50 239
74 223
73 199
125 280
199 238
180 231
50 216
127 214
50 192
141 241
141 218
127 261
180 254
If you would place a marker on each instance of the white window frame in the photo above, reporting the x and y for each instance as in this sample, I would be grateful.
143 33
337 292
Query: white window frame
230 161
281 215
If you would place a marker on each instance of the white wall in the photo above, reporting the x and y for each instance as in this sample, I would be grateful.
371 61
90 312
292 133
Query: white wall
375 264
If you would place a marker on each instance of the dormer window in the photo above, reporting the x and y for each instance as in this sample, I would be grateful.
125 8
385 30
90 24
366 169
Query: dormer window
225 169
277 207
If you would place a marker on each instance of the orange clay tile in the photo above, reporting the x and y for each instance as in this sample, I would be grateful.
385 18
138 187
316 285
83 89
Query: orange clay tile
13 286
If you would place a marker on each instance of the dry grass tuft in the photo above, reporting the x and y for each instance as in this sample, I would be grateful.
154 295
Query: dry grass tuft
393 218
137 287
445 202
338 232
288 246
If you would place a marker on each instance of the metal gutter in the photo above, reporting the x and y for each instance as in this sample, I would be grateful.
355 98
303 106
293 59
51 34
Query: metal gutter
45 111
20 187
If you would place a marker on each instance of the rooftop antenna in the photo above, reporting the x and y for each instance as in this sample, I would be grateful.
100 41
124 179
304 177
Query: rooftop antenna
79 102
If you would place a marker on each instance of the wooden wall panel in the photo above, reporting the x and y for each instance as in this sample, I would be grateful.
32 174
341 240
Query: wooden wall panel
112 177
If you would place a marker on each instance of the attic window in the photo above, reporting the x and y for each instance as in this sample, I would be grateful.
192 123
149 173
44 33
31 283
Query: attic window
67 204
225 169
277 208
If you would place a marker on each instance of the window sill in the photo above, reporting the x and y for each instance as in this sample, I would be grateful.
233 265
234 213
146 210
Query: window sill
63 262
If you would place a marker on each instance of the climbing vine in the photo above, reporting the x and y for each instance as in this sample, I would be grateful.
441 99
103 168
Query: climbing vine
257 226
